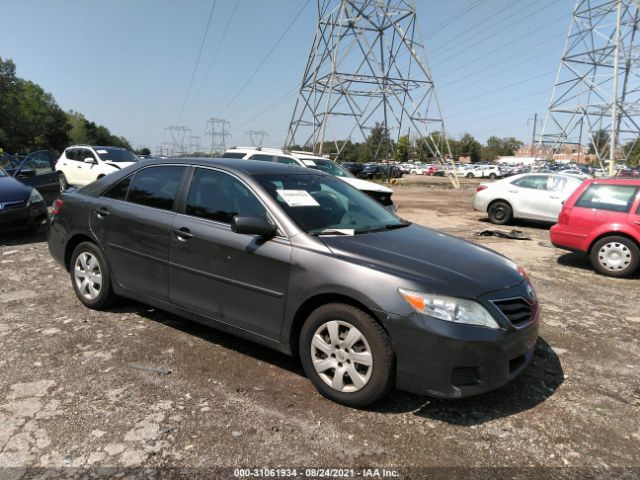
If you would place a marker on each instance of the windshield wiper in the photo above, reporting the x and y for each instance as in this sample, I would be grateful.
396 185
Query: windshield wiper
335 231
382 228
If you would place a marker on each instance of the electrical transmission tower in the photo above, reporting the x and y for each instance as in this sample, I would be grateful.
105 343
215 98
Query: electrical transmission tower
194 144
218 133
367 73
597 90
179 134
256 137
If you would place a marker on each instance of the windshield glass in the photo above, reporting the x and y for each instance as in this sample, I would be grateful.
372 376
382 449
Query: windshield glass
332 168
7 161
323 205
116 155
2 173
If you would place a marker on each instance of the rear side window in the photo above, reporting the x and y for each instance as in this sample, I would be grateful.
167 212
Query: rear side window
233 155
156 187
285 160
535 182
616 198
119 190
218 196
262 157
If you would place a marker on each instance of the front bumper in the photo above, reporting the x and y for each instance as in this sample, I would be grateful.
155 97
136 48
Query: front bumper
21 217
449 360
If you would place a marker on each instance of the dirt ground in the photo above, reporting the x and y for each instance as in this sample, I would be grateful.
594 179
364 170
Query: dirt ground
137 387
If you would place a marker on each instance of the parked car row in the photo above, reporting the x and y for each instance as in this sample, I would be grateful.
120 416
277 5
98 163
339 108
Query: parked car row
597 217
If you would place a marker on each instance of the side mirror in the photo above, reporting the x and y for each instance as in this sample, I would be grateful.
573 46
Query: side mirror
90 160
253 226
26 173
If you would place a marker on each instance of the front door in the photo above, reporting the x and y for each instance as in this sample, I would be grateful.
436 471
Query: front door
530 196
237 279
37 171
133 222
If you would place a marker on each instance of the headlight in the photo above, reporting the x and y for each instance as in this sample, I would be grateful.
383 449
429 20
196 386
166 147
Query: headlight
451 309
35 197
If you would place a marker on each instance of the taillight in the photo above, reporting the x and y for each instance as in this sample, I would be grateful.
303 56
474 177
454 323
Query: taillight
57 206
480 188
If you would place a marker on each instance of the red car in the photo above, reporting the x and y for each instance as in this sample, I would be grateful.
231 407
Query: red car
602 219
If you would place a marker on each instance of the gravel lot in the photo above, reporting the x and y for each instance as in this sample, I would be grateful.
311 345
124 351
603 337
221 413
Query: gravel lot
136 387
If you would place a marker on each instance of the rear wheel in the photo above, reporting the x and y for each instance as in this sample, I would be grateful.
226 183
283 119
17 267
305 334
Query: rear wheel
500 213
615 256
90 276
493 176
470 175
347 355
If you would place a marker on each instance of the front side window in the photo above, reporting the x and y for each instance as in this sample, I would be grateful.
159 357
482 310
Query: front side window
616 198
286 160
324 205
84 153
233 155
218 196
534 182
38 162
156 187
72 154
332 168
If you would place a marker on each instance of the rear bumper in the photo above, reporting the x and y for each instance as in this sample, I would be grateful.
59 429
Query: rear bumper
22 217
568 240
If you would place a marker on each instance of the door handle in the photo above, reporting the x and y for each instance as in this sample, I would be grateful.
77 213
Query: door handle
513 191
101 212
183 234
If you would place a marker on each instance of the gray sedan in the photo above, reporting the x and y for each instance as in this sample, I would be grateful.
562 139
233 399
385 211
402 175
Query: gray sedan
304 263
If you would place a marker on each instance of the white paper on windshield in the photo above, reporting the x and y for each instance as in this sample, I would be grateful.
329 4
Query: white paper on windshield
309 163
102 151
297 198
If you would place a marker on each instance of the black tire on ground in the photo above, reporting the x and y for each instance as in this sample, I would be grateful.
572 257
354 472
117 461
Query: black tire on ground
62 181
500 213
470 175
105 296
493 176
615 256
382 374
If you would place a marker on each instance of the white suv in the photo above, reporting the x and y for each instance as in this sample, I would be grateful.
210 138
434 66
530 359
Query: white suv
378 192
83 164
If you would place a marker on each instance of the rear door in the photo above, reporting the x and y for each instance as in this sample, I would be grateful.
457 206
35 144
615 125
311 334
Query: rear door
530 197
560 189
37 171
132 221
634 216
237 279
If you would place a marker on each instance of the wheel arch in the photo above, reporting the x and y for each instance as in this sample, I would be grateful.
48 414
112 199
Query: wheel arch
495 200
613 233
309 305
71 245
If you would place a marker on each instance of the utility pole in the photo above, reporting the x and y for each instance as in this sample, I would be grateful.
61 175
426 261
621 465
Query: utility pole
218 132
256 137
368 71
597 88
178 134
533 137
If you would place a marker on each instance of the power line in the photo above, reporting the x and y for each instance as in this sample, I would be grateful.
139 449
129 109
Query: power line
215 54
195 66
265 58
456 16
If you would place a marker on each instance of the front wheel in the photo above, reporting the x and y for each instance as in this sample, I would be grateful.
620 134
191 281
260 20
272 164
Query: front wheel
347 355
470 175
493 176
62 182
615 256
90 276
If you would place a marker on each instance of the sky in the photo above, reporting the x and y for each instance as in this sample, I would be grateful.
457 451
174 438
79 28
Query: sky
129 64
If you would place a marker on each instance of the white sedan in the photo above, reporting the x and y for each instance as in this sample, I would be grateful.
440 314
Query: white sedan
533 196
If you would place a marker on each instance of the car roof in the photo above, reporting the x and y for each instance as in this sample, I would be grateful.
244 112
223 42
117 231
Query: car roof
615 181
250 167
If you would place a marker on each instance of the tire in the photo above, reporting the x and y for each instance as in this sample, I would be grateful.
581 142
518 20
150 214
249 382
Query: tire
88 257
318 351
62 181
493 176
470 175
500 213
615 256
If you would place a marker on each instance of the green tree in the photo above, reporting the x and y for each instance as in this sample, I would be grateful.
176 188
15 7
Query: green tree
403 148
143 151
599 142
467 146
632 149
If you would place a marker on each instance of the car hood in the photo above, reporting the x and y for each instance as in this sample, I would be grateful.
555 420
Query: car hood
365 185
119 165
11 190
442 263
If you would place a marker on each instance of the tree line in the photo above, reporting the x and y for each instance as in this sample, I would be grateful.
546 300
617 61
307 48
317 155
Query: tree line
380 147
30 119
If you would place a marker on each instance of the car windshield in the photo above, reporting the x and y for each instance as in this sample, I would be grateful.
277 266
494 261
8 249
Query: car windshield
7 161
324 205
116 155
332 168
3 173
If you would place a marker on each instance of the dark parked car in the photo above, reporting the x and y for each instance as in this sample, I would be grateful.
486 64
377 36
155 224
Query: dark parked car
21 206
354 167
36 170
302 262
